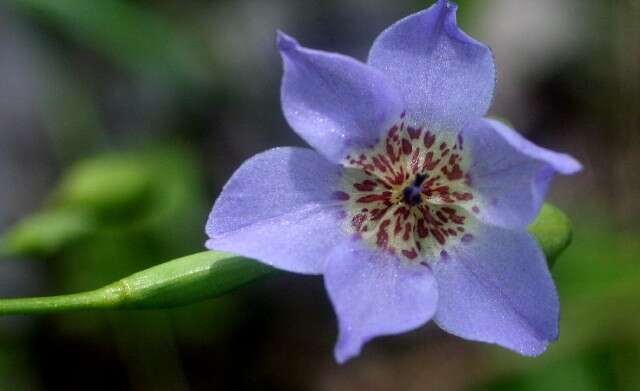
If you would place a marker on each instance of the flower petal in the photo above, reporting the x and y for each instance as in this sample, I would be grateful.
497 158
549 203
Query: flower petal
446 77
374 294
497 289
279 208
510 173
334 102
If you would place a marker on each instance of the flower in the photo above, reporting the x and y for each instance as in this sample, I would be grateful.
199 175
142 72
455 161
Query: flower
411 205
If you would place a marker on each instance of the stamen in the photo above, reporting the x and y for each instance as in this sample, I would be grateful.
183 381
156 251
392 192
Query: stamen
411 194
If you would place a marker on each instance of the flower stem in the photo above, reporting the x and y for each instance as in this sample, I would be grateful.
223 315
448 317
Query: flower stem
178 282
110 296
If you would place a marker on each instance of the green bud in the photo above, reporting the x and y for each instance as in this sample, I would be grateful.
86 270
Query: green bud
552 230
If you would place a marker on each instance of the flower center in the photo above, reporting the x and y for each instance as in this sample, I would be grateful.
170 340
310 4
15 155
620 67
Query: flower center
410 194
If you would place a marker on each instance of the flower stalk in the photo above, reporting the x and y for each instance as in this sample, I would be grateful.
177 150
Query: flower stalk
178 282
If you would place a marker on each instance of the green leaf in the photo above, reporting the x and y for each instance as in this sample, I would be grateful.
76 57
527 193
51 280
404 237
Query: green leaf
552 230
210 274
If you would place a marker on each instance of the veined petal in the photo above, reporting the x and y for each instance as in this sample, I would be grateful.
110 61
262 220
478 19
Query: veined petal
279 208
334 102
511 174
446 77
374 294
497 289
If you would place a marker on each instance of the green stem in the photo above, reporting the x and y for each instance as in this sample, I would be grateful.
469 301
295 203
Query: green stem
110 296
178 282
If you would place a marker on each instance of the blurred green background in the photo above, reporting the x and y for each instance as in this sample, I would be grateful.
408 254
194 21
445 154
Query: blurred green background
121 120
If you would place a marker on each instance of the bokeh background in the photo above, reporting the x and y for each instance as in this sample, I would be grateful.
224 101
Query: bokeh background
120 120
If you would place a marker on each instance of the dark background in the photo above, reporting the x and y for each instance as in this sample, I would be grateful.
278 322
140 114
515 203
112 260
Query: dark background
190 89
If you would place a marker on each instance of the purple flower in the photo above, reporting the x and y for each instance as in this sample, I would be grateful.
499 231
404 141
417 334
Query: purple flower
412 205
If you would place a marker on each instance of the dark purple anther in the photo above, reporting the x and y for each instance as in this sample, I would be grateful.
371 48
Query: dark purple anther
411 194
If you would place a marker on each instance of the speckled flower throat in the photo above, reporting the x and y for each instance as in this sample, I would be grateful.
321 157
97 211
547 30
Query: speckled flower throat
409 194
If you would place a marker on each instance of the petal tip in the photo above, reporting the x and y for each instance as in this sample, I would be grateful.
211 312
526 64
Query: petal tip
347 348
285 42
572 166
533 350
565 164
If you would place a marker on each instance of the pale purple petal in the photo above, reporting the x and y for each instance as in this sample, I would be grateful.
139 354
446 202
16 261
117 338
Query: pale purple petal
497 289
510 173
334 102
279 208
446 77
374 294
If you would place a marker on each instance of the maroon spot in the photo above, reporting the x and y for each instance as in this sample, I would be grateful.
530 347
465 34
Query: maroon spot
358 220
457 219
341 196
462 196
455 173
438 235
374 197
442 217
410 254
429 163
467 238
391 153
443 146
475 209
382 239
379 164
377 214
398 226
407 232
429 139
423 231
406 146
414 133
367 185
